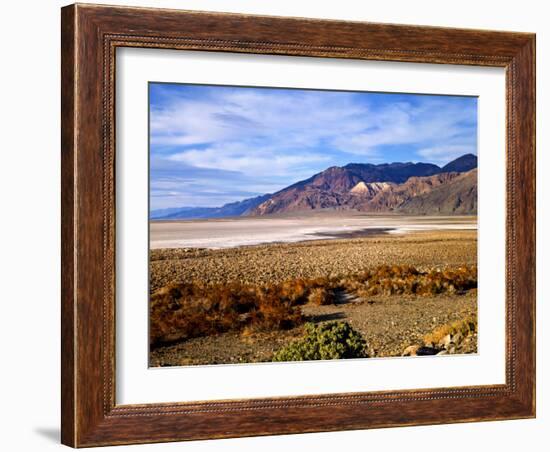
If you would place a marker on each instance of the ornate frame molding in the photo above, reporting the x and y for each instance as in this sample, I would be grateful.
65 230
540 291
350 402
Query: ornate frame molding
90 37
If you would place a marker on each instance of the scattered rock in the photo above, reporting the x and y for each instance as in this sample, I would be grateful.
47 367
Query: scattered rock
446 341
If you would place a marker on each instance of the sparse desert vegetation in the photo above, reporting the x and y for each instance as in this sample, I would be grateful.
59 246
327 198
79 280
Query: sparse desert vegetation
463 328
332 340
459 336
304 312
407 280
184 311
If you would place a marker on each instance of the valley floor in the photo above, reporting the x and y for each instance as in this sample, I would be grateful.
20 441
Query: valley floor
294 227
389 323
273 263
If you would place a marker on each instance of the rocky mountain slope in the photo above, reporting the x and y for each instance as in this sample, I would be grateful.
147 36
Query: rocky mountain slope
459 197
331 188
418 188
461 164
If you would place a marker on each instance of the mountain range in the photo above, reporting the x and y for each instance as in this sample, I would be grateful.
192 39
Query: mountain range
411 188
232 209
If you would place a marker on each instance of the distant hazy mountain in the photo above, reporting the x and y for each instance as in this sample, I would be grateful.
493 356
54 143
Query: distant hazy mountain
414 188
162 213
233 209
370 188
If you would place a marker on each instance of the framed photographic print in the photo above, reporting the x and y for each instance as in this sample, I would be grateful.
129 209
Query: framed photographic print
281 225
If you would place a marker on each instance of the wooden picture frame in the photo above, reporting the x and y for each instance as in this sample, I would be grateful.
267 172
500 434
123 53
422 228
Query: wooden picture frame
90 36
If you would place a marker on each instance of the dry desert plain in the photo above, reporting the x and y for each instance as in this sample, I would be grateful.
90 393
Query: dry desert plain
333 247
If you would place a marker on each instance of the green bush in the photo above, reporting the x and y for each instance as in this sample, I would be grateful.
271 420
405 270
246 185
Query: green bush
332 340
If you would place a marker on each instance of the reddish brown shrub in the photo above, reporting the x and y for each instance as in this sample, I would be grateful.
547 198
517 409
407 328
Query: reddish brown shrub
406 280
321 296
184 311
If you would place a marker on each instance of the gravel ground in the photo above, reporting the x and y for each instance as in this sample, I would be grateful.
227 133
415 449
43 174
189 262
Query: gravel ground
279 262
389 324
228 348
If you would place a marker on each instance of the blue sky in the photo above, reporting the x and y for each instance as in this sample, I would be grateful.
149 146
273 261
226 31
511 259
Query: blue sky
210 145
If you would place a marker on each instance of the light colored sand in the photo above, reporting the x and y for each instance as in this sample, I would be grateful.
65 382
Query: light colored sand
234 232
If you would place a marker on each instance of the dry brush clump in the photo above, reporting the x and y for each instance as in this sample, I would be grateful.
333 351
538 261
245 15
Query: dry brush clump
184 311
321 296
407 280
453 331
187 310
332 340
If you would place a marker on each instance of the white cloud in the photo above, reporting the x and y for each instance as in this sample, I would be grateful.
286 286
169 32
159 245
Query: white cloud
304 120
444 154
402 124
297 119
233 157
